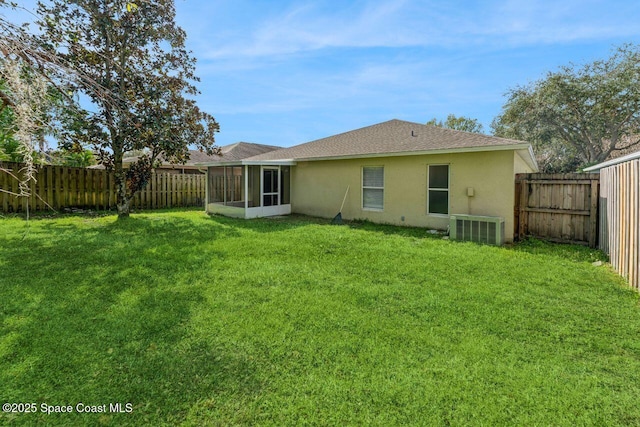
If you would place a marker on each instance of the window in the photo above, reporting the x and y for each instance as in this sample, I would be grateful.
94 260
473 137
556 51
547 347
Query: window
373 187
438 197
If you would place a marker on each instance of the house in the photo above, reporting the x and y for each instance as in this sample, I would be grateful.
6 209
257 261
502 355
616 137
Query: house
619 214
228 153
396 172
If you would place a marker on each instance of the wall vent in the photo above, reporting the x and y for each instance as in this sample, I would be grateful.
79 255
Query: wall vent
479 229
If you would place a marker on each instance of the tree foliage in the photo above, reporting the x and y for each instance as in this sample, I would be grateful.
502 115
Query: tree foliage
71 158
9 147
462 123
579 115
139 78
22 99
25 94
25 119
32 95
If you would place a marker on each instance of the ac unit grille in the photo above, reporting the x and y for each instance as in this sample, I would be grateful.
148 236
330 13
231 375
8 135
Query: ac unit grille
479 229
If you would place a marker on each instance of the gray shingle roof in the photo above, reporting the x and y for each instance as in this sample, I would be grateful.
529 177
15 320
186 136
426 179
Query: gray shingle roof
230 153
237 151
391 137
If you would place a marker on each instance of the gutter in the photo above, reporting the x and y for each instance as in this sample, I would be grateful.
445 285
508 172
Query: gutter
596 168
406 153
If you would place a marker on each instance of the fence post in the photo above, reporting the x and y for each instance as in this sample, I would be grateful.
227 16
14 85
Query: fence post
593 213
524 199
4 197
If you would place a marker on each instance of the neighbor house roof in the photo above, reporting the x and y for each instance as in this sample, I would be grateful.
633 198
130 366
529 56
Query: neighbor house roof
228 153
393 138
239 151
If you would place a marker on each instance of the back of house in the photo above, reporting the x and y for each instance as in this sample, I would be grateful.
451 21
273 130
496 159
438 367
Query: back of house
396 172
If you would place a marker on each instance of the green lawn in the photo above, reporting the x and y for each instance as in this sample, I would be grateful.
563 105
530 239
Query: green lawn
201 320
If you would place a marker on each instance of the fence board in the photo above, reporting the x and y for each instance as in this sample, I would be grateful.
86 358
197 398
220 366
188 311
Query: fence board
4 185
49 187
634 221
32 196
15 188
619 233
154 193
62 187
174 198
58 187
558 207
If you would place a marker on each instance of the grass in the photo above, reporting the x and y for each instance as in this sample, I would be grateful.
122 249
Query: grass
199 320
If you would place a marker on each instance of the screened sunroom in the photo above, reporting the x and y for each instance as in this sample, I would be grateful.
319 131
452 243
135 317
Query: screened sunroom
249 190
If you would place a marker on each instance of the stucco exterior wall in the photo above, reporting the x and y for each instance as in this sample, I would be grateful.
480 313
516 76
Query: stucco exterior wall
318 188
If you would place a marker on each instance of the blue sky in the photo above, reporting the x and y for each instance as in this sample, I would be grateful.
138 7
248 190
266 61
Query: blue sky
285 72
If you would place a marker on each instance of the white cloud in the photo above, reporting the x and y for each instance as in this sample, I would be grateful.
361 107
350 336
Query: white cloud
324 66
310 28
404 23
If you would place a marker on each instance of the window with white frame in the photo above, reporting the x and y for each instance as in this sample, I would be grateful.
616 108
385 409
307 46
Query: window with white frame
373 187
438 190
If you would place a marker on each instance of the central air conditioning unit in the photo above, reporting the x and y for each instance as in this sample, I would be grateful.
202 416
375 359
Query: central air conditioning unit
479 229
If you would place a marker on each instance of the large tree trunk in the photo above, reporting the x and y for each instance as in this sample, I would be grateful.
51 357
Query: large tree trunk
122 200
123 207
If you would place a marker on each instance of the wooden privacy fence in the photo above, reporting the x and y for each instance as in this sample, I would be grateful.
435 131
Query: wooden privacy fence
620 218
557 207
59 187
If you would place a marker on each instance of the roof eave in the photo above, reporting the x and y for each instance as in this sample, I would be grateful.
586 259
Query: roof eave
421 153
284 162
530 158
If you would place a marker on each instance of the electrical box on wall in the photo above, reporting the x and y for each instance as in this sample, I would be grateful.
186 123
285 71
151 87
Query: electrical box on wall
470 192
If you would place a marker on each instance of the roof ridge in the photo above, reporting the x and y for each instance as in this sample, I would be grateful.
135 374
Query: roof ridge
228 147
389 137
474 133
351 131
253 144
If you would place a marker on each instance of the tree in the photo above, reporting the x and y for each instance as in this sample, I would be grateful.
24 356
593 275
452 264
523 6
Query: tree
72 158
462 123
25 94
8 144
29 88
578 116
19 110
135 53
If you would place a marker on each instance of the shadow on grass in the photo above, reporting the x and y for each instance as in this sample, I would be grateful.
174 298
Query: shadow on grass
190 233
135 351
89 212
397 230
101 313
571 252
269 224
142 218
